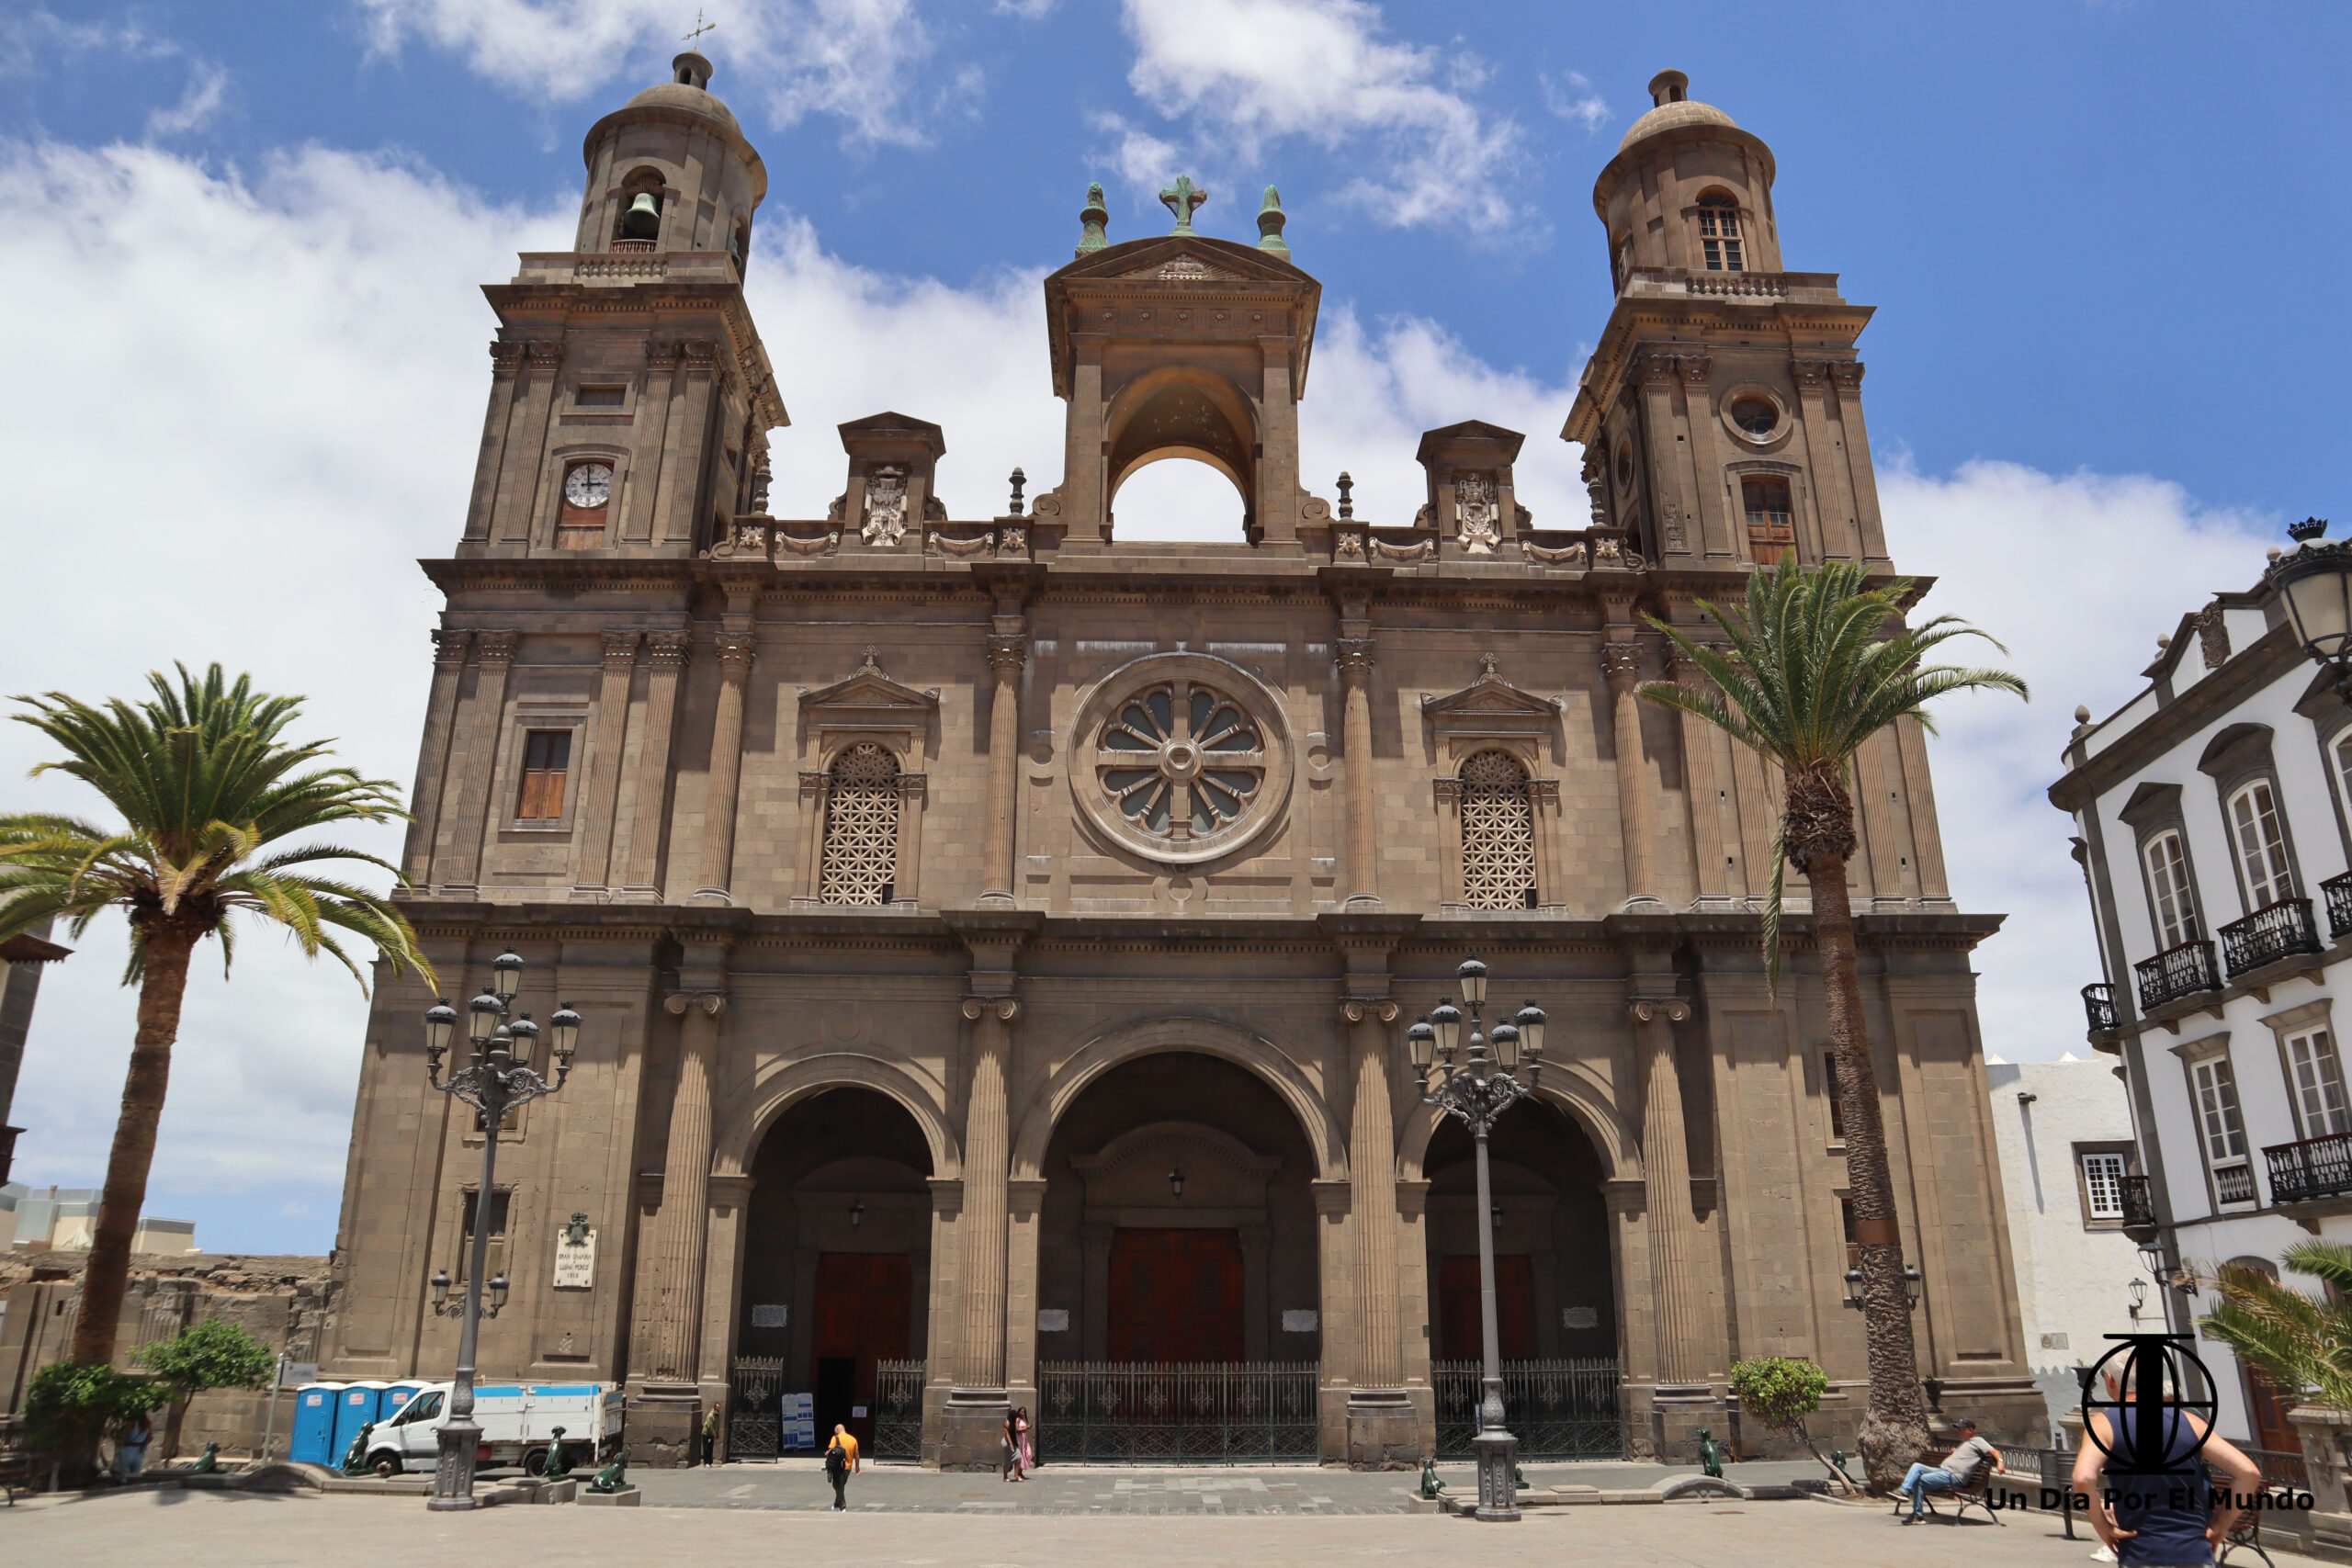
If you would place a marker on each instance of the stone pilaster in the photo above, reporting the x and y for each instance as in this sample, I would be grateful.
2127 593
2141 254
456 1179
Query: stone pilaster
1673 1235
1711 879
1382 1430
608 746
971 1432
726 769
666 1306
666 654
475 773
1008 652
449 650
1355 660
1621 661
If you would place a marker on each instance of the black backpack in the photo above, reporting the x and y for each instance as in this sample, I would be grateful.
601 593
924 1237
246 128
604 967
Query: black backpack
836 1463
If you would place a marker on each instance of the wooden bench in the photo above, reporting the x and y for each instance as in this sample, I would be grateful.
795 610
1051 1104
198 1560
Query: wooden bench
1975 1495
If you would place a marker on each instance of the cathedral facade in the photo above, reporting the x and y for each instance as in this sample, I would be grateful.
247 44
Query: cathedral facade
997 938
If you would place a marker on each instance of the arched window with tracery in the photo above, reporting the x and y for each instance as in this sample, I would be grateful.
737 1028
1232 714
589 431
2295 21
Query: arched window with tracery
860 827
1498 834
1719 241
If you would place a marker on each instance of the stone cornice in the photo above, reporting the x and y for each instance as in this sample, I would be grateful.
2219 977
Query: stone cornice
2274 654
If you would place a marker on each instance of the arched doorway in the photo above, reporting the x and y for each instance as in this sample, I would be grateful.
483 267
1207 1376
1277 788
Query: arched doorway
836 1268
1179 1290
1555 1296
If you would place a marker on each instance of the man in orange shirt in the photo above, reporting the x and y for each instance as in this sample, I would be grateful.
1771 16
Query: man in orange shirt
841 1463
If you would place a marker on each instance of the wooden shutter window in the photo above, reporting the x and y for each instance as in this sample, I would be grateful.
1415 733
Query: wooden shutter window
547 761
1769 515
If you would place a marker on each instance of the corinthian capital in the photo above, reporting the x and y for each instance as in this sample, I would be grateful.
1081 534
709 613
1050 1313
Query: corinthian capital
1622 663
498 646
669 649
1354 656
620 647
735 650
450 646
1008 650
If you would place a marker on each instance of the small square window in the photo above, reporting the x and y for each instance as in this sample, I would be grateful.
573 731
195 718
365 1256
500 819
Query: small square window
602 397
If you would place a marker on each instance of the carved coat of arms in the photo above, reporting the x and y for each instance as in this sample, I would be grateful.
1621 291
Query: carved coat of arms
885 507
1473 503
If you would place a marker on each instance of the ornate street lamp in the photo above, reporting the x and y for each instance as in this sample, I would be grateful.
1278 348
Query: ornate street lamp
1853 1278
2315 582
497 1079
1476 1092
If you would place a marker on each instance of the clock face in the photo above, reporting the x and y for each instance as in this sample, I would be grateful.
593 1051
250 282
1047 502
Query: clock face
588 485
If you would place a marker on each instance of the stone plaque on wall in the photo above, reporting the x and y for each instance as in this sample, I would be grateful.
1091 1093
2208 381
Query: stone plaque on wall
1297 1322
771 1316
1579 1317
575 1261
1053 1320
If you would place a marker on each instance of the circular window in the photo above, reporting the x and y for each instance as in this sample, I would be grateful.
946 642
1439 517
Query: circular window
1183 757
1756 416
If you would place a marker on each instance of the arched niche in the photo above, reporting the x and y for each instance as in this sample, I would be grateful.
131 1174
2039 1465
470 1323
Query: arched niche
1183 411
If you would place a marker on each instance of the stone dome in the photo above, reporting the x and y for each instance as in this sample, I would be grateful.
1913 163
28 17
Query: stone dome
698 101
1668 90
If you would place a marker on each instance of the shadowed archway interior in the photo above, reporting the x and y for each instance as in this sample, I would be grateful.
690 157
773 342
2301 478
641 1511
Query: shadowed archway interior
837 1254
1178 1223
1554 1286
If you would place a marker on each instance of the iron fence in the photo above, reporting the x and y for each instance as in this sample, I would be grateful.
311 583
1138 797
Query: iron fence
754 1414
897 1409
2272 932
1149 1412
1557 1409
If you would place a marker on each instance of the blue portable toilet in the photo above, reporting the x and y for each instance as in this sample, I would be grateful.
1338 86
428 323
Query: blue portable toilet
314 1413
355 1406
396 1397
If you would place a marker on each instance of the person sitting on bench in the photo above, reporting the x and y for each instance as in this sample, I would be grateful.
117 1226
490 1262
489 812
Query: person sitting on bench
1957 1473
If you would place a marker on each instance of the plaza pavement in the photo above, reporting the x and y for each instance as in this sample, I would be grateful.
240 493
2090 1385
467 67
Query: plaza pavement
171 1525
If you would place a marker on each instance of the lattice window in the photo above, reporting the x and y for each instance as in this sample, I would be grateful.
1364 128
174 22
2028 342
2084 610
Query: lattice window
861 827
1498 834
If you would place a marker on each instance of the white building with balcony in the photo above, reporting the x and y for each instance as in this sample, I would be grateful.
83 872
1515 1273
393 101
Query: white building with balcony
2213 822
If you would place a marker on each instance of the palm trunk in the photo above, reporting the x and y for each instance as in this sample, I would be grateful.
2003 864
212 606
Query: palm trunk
107 1274
1894 1426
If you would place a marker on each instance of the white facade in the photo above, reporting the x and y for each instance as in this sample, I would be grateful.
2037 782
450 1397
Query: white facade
63 1219
2064 1132
2211 819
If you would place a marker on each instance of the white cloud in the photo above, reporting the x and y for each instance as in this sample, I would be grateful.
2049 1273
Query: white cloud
29 36
208 87
2076 574
1245 74
1027 10
858 61
1573 98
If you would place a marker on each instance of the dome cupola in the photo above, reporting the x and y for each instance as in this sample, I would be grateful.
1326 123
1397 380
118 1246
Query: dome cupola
671 171
1689 190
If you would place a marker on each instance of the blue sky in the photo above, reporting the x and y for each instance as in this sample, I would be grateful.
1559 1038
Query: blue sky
256 233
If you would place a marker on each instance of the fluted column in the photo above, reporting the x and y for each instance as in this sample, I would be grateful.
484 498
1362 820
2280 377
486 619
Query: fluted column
1008 651
476 770
726 768
1666 1169
666 654
1372 1165
668 1306
1710 870
1355 660
1622 661
988 1139
608 746
450 649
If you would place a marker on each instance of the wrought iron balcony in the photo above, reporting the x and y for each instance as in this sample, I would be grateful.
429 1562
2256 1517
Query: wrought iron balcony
2314 1168
2139 1210
2338 893
2098 1007
2234 1184
2177 972
2272 932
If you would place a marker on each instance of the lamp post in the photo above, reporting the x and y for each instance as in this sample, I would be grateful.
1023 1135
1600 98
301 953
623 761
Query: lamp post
498 1079
1482 1088
2315 582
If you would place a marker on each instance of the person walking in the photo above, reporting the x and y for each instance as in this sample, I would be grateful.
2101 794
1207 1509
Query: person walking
709 1435
130 1450
841 1463
1026 1434
1009 1470
1957 1472
2164 1515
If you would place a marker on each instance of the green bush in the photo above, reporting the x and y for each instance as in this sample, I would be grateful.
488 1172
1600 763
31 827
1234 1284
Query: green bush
68 1407
207 1355
1781 1392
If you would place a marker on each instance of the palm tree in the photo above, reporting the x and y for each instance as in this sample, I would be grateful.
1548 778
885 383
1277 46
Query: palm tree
1816 665
2300 1342
208 794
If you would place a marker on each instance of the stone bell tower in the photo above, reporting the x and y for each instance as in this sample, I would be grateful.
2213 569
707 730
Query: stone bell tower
1720 415
631 398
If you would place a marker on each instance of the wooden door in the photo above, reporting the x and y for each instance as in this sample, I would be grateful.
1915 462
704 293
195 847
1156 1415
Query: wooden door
865 1307
1176 1295
1460 1325
2268 1407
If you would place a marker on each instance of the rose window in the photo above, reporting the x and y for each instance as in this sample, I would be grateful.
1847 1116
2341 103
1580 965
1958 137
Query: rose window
1180 761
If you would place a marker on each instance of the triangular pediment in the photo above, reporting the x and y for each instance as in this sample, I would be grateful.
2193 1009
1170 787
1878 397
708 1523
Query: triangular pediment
1489 695
867 689
1185 268
1194 258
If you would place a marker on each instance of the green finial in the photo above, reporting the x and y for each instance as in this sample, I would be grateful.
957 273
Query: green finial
1094 216
1271 219
1181 198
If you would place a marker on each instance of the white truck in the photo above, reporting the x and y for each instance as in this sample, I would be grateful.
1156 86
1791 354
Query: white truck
518 1420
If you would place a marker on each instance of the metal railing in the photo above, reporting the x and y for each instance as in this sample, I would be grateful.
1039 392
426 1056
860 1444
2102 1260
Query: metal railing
897 1409
1160 1413
2177 972
2337 891
2272 932
2311 1169
755 1415
2234 1184
2098 1007
1557 1409
2280 1468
